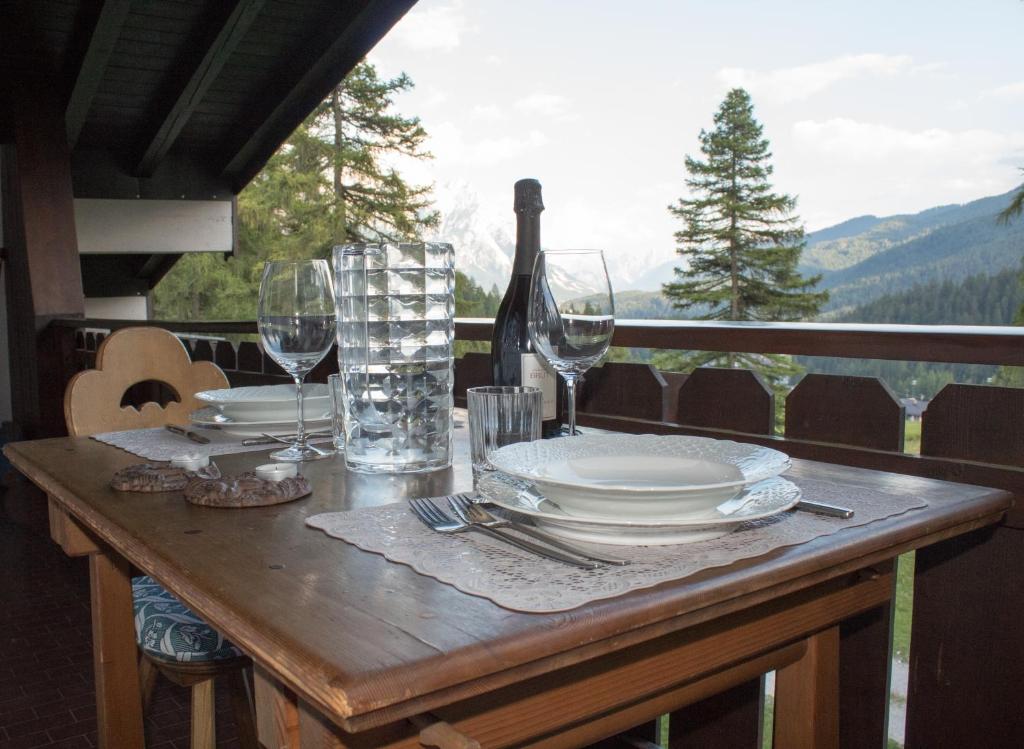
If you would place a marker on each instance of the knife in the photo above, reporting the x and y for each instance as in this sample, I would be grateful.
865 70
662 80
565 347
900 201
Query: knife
819 508
188 434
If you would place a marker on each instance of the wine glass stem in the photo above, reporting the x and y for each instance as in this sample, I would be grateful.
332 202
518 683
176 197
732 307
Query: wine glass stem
300 424
570 387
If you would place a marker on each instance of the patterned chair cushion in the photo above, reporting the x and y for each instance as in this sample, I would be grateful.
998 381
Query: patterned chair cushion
166 629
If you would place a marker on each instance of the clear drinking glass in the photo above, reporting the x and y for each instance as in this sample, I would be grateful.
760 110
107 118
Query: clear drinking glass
296 322
571 315
499 416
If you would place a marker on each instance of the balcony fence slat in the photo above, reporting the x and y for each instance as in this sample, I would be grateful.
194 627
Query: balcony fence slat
966 652
249 358
728 720
326 366
472 370
225 356
734 399
202 350
975 422
623 389
865 675
271 367
859 411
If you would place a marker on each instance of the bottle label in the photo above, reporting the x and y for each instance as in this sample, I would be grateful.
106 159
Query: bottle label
535 374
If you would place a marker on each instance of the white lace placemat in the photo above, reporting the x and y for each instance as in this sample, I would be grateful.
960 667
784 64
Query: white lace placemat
516 580
159 444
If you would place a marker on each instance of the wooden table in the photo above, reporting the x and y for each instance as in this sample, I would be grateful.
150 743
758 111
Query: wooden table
354 651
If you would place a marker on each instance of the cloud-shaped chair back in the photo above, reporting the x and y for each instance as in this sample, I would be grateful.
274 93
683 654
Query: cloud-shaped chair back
92 400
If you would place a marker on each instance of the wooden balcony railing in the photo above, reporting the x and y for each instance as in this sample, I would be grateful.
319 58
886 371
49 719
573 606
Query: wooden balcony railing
967 653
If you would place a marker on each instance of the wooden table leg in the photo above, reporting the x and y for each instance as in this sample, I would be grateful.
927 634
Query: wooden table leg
277 712
115 656
807 696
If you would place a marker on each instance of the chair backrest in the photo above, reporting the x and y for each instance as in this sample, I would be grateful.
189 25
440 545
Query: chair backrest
92 400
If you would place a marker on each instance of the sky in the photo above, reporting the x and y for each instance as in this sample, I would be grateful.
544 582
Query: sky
870 107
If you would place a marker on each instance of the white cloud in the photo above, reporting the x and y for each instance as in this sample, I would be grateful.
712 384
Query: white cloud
850 140
486 112
450 144
803 81
435 97
1009 91
884 169
493 60
548 105
433 28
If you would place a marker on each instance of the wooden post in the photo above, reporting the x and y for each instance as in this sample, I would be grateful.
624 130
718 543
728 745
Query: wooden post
44 279
807 696
115 657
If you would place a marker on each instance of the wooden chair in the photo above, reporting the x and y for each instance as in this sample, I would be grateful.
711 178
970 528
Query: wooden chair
172 640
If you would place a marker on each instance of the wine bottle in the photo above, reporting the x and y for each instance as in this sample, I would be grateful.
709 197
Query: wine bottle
513 360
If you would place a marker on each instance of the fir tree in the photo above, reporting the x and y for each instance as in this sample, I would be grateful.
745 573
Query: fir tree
742 241
1016 207
331 182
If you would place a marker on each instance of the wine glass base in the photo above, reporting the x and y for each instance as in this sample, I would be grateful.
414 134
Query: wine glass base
301 454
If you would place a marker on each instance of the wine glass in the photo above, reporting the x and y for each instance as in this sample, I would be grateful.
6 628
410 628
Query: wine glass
571 315
296 322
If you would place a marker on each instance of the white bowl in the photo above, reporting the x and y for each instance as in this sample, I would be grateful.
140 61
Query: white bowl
268 402
646 476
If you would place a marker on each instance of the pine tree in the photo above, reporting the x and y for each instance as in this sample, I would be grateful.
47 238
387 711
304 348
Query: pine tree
331 182
742 240
1015 208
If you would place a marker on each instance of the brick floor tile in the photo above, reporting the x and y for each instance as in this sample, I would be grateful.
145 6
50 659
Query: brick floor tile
31 741
39 724
78 728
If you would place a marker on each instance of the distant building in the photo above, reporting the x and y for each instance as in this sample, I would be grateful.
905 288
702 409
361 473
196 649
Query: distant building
914 407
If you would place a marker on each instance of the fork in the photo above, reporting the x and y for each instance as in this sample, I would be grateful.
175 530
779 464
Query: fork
438 520
474 513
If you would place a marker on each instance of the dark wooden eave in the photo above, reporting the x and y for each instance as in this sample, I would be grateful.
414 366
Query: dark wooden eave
182 98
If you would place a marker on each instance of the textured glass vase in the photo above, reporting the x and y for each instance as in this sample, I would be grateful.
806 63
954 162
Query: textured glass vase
396 326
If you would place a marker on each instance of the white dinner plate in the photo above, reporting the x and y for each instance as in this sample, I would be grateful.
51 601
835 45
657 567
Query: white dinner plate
761 500
268 402
210 417
638 476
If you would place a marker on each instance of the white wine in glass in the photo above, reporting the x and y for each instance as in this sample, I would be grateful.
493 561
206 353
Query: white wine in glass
296 322
571 314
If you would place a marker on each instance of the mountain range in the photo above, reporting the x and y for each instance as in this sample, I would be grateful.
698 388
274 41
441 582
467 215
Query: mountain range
860 259
869 256
484 242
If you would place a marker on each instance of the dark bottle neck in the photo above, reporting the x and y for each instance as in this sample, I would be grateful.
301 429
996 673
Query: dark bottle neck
527 243
528 204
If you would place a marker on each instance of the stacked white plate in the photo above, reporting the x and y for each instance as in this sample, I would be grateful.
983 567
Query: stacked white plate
270 409
639 489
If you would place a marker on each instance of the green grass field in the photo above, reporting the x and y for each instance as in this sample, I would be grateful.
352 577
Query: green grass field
912 437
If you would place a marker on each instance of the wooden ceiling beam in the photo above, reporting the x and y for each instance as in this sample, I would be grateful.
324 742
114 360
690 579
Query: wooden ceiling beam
232 31
355 30
101 44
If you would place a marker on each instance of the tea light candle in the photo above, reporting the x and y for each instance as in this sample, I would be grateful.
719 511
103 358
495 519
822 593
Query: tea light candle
190 462
276 471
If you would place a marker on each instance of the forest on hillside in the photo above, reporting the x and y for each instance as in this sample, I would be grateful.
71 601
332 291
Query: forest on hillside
977 300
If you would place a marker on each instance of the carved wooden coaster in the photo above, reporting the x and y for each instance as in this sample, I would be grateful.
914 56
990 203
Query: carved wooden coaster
159 477
246 490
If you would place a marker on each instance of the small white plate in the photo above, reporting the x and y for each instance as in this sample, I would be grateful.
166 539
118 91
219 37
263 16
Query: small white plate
638 476
212 418
268 402
763 499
